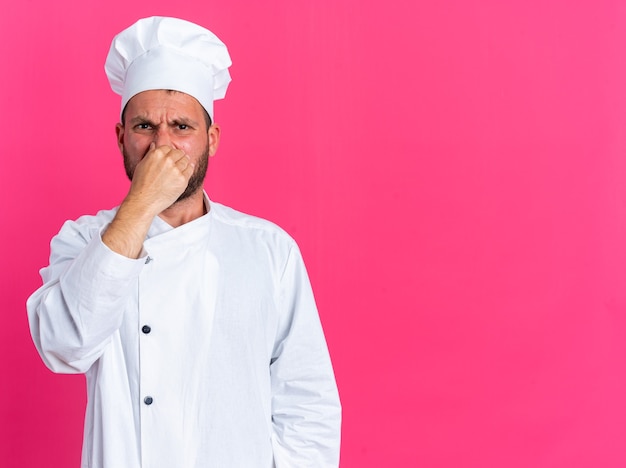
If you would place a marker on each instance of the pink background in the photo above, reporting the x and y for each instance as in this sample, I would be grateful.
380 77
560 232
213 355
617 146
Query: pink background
453 171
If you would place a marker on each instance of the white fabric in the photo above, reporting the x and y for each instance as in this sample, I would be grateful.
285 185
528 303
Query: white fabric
236 361
169 53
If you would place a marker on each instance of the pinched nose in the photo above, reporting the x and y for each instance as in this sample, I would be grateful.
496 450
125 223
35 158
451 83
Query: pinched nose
162 138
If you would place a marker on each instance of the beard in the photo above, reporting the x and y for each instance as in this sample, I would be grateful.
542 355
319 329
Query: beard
196 180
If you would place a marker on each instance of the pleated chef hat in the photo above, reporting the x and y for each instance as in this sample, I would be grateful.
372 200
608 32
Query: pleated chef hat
168 53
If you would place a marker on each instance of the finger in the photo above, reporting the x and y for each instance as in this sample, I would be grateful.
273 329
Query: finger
188 171
150 149
180 158
163 150
172 153
183 162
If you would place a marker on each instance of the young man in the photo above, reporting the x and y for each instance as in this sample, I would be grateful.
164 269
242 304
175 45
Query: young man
195 324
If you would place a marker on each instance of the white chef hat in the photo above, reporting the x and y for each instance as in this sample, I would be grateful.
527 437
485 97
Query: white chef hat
168 53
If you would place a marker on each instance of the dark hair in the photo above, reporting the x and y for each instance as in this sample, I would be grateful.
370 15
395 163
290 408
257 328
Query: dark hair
207 117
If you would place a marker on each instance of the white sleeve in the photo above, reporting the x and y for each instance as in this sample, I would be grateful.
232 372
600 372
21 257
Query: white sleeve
306 411
81 303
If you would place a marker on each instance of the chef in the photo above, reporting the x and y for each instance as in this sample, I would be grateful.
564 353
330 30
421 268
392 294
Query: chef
194 324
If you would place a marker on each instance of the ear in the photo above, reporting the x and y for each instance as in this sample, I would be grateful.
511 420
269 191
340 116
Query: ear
214 139
119 131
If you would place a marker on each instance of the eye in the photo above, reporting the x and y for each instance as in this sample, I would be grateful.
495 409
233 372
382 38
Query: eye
143 126
183 126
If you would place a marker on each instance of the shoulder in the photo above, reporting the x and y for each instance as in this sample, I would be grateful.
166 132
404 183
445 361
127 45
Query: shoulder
255 242
76 234
248 224
87 225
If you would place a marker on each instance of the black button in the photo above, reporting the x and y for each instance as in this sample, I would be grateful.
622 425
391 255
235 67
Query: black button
146 329
148 400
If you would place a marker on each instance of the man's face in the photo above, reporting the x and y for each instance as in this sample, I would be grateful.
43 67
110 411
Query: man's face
167 118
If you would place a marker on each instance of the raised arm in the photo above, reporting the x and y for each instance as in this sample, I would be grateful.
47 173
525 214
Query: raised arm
94 264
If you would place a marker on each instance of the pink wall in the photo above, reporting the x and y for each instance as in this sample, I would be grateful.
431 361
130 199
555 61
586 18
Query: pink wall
455 175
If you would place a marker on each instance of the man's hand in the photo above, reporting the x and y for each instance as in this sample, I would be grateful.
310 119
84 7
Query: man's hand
158 180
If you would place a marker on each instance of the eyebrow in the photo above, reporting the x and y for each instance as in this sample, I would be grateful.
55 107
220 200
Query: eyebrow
177 121
184 121
140 119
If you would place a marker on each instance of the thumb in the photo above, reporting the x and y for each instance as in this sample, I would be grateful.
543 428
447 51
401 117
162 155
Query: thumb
150 149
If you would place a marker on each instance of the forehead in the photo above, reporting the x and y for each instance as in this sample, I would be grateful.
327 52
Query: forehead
164 102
